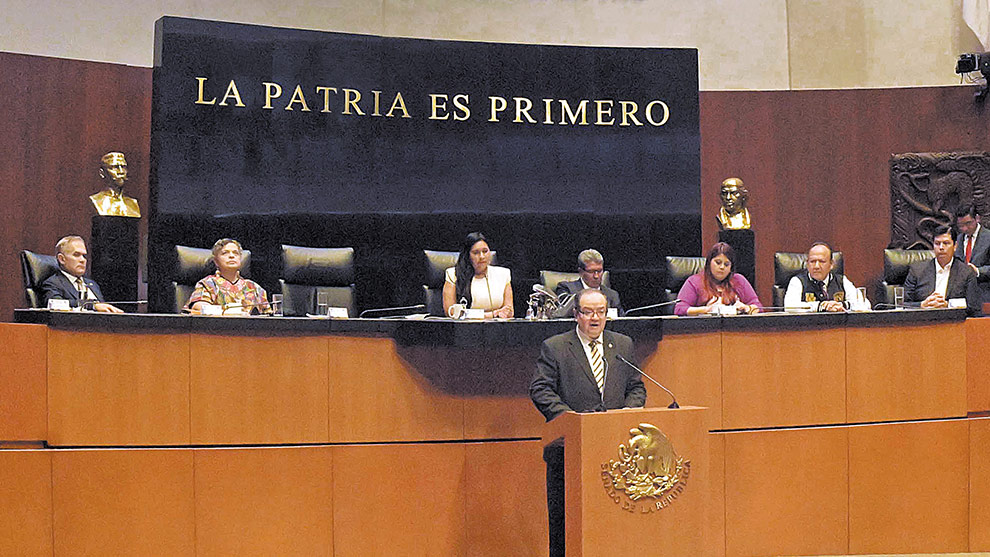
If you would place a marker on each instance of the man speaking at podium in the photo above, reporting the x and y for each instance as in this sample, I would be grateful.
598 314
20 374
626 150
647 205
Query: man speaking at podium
578 371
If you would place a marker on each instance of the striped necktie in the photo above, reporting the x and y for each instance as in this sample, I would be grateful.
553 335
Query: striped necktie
597 364
81 287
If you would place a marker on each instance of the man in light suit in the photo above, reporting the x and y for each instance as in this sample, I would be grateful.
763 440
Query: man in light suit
591 267
69 283
973 247
578 371
932 284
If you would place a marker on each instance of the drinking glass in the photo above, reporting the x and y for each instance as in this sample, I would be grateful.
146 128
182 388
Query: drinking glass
322 303
898 296
277 305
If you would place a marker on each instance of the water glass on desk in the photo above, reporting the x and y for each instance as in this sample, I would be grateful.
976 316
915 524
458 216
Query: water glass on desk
898 296
277 305
322 303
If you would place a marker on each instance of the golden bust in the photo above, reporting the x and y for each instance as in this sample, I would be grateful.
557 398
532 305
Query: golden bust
733 215
111 200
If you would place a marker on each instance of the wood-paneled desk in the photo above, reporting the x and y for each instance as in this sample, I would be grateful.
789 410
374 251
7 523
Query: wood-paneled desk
370 398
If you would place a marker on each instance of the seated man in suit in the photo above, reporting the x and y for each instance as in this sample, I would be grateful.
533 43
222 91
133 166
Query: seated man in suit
820 289
932 284
591 267
69 283
973 247
578 371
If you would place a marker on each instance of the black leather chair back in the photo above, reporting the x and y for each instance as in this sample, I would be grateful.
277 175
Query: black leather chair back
192 264
308 272
679 269
896 264
35 269
437 263
550 279
786 265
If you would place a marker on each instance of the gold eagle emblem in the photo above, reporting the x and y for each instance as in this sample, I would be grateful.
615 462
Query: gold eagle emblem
647 466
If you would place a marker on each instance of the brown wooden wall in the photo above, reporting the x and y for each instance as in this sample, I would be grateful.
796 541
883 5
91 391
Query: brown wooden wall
815 162
57 118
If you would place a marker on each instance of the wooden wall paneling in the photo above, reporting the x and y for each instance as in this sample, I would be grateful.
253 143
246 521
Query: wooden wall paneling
783 378
26 502
505 504
690 365
399 499
979 485
24 383
977 366
716 505
258 390
59 118
117 388
493 385
786 492
123 502
816 163
376 395
901 373
909 487
264 501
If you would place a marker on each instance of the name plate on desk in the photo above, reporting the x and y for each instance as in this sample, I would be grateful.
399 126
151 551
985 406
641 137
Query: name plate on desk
337 313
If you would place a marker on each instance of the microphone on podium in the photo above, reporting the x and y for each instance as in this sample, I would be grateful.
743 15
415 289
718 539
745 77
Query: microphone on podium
655 382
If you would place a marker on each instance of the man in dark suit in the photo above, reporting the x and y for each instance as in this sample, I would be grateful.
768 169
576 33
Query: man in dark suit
932 284
973 247
69 283
591 267
578 371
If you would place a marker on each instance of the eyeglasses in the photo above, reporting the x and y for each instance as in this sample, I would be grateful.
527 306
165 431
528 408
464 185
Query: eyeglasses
589 312
595 272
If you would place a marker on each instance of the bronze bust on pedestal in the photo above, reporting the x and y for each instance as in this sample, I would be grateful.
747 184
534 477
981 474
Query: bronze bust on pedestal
111 200
734 196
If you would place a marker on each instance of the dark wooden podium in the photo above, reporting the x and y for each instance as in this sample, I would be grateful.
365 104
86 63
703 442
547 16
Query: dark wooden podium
601 520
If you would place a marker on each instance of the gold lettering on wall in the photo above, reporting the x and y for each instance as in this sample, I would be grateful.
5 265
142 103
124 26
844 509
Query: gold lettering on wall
297 97
351 99
200 82
272 91
400 104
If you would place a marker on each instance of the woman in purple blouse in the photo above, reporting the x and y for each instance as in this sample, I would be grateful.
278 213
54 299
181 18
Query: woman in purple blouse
717 285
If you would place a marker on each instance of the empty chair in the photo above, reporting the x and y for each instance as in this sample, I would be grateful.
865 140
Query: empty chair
192 264
309 272
35 269
679 269
896 264
786 265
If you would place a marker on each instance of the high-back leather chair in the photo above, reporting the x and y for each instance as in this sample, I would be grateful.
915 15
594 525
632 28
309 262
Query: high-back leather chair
192 264
679 269
786 265
896 264
35 269
550 279
308 272
437 263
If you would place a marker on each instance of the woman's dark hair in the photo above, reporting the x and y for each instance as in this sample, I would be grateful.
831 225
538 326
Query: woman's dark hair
464 270
713 287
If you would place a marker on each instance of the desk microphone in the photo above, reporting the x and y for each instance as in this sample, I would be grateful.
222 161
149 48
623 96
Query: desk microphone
542 290
386 310
652 306
89 303
655 382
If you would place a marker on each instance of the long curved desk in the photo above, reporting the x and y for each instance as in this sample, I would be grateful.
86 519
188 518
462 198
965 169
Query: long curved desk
305 436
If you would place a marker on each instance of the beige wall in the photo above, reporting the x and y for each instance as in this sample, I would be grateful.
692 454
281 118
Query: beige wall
743 44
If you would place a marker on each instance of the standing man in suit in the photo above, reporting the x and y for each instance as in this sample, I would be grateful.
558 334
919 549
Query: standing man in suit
931 284
973 247
577 371
69 283
591 267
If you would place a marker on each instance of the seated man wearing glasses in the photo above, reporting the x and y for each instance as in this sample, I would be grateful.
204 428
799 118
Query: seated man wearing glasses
591 267
578 371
